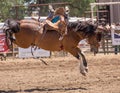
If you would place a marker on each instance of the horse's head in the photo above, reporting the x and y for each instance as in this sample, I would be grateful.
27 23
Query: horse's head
89 31
96 37
94 40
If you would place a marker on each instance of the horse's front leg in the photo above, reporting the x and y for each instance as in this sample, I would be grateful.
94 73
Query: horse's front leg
80 56
83 63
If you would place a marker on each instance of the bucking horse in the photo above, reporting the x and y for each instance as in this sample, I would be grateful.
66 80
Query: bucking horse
25 33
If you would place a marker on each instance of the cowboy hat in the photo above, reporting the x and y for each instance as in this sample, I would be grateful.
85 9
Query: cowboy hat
60 11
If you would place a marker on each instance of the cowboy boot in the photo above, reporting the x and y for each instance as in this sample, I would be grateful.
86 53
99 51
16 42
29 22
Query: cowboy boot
51 9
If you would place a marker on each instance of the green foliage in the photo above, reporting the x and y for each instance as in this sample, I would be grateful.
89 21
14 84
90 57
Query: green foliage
4 10
77 7
7 10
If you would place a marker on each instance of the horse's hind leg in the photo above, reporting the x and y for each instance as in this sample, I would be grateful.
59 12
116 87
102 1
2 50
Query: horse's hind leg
83 63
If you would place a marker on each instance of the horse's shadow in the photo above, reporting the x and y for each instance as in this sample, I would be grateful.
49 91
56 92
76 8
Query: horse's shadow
43 90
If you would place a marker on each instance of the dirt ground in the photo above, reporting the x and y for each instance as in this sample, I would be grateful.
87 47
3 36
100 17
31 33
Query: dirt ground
61 75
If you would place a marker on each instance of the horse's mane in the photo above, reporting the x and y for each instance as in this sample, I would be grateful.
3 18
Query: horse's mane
86 27
72 24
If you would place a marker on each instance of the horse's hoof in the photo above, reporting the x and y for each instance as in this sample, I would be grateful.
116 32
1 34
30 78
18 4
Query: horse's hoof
86 69
84 73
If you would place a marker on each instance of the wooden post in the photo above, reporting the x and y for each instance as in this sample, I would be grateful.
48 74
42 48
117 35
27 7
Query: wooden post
103 44
13 53
16 10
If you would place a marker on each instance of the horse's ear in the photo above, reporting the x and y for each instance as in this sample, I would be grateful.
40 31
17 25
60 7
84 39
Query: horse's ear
7 22
95 26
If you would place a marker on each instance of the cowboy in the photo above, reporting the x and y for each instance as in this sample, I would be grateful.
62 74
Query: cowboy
56 21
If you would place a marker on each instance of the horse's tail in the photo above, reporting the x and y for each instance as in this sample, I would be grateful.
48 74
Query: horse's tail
12 26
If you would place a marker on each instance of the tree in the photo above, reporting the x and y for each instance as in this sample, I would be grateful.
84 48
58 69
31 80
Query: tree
77 7
7 10
5 6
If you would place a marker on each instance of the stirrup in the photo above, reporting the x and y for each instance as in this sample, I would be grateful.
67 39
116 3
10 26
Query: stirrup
51 8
